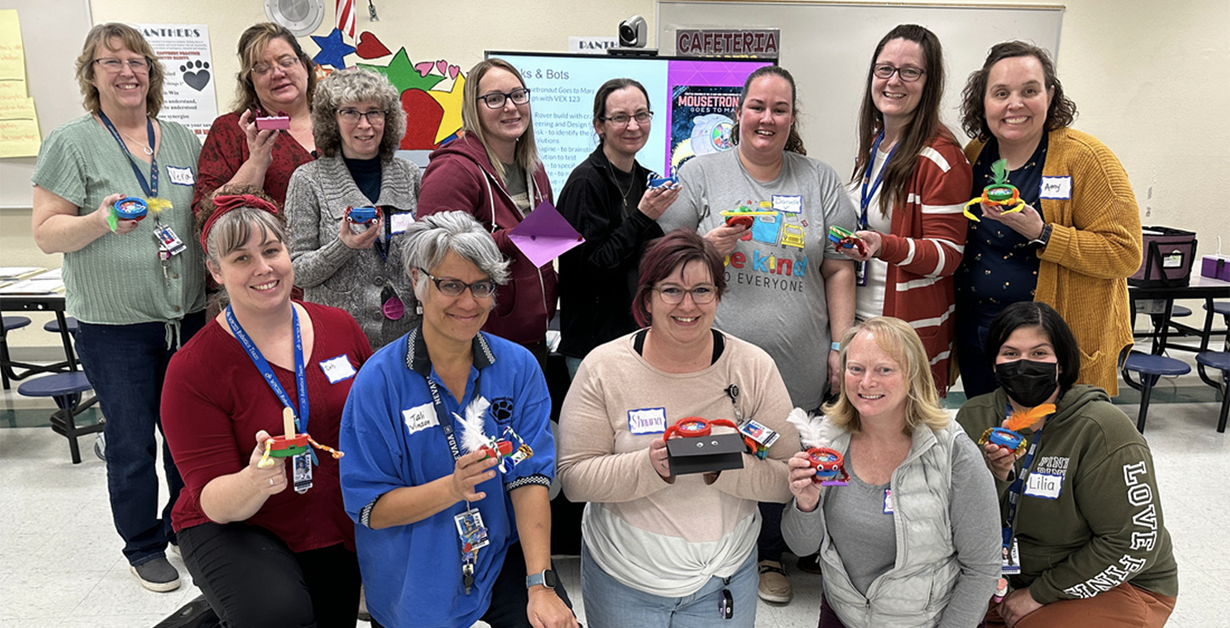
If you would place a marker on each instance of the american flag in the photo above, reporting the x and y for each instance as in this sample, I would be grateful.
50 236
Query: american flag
345 17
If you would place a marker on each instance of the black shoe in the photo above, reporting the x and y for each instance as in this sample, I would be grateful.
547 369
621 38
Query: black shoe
156 575
809 564
194 614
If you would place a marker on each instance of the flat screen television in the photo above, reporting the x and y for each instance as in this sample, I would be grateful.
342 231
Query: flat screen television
693 101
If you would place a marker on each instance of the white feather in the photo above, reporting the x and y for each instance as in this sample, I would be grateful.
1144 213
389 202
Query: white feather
809 427
473 434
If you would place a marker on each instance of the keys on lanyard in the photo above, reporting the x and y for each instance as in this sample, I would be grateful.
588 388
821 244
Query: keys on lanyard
726 606
473 536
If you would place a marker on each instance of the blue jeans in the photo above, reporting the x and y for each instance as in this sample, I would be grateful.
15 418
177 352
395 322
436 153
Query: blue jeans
126 365
610 604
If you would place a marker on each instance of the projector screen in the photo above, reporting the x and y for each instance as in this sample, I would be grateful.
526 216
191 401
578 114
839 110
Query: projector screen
693 102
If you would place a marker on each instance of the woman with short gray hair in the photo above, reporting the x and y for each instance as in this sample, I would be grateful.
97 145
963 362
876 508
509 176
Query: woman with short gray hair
435 551
345 254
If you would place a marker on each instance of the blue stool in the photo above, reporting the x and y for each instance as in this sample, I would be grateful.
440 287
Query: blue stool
1218 360
53 325
1150 368
6 364
65 389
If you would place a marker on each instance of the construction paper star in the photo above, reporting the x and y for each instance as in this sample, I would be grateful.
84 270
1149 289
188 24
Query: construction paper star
402 75
332 50
451 103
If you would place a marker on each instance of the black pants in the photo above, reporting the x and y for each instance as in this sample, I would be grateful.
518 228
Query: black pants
509 596
252 579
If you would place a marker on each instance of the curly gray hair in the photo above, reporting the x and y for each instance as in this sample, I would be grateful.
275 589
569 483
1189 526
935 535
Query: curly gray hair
429 239
350 86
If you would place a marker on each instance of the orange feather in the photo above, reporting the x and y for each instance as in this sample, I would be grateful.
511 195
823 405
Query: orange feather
1022 420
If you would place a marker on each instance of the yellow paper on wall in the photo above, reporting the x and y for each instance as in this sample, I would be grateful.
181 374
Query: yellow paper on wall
19 136
12 52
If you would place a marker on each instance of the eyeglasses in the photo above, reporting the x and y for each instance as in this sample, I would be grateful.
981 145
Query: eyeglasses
138 65
352 116
673 295
622 119
908 73
454 287
496 100
286 62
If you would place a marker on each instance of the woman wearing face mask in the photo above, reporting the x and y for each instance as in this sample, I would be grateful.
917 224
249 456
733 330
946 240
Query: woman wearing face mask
1083 525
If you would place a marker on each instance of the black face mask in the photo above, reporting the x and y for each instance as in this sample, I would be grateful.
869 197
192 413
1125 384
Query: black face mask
1027 382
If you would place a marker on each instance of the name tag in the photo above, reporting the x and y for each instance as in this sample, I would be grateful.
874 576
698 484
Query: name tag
888 501
1056 188
790 204
398 221
181 176
338 369
647 421
419 418
1043 485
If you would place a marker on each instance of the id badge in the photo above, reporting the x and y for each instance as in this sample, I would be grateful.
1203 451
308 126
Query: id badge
167 240
398 221
303 472
1011 559
471 530
860 273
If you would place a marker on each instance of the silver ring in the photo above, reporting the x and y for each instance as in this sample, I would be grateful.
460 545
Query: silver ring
270 481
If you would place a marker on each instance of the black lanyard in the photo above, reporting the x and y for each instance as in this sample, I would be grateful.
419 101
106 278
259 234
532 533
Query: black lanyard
1018 485
151 189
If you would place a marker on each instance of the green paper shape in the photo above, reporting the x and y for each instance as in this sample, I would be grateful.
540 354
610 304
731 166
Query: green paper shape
401 73
112 221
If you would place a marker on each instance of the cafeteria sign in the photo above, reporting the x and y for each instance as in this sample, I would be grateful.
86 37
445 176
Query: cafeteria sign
745 43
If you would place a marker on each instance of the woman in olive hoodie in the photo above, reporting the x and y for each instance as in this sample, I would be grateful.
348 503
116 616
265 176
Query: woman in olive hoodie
493 172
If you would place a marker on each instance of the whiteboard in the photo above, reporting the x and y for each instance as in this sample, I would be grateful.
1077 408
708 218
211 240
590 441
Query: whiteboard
828 46
52 34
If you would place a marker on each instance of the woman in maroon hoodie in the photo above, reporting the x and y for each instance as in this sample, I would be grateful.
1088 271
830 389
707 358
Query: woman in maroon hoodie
492 171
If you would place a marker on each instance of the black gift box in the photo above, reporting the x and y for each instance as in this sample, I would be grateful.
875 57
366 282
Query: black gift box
705 454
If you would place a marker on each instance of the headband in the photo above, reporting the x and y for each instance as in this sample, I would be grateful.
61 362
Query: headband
224 203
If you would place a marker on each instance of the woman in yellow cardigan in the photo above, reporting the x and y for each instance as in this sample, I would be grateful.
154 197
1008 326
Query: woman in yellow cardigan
1075 241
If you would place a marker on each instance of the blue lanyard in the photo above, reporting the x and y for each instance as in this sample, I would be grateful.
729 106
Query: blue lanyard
151 190
1018 485
262 365
446 423
864 200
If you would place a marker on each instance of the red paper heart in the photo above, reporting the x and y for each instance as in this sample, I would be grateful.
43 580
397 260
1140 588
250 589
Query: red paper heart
370 47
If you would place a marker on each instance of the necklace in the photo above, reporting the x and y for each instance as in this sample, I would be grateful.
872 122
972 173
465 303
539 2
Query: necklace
624 193
145 148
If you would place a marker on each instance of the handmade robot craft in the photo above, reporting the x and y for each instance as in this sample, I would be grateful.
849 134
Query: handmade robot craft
1000 193
828 463
362 215
756 436
134 208
291 443
279 122
745 215
844 239
1007 437
474 437
656 181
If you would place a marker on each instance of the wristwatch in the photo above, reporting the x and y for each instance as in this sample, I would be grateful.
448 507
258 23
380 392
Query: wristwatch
1044 237
546 579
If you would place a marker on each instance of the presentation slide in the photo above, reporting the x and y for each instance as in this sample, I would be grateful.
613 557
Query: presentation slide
693 102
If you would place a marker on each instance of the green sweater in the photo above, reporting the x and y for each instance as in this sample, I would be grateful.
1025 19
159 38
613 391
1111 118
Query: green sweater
1091 518
118 279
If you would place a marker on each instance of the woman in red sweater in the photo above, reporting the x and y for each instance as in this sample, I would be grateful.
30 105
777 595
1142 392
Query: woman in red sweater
267 545
910 182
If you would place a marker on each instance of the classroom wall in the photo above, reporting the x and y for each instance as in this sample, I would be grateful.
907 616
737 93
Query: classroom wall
1147 77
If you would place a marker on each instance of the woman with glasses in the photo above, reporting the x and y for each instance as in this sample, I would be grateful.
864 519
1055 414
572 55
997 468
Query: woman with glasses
660 547
910 182
1073 243
357 121
607 201
447 533
266 539
492 171
912 537
276 78
136 286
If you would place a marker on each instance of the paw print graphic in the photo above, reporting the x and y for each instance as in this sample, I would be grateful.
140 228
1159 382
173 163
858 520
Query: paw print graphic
196 74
